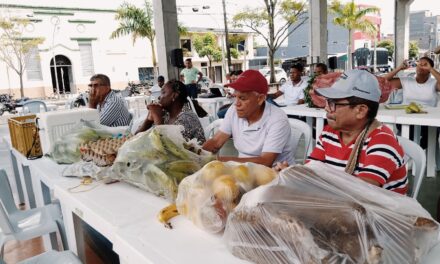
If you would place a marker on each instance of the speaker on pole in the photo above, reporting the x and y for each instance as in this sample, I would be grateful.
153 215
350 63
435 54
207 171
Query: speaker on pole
333 62
177 58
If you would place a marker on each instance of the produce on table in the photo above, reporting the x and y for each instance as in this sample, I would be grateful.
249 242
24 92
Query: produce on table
157 160
208 196
413 108
102 152
317 214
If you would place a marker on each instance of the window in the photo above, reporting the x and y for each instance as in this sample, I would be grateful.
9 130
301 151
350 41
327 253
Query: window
146 74
85 50
33 68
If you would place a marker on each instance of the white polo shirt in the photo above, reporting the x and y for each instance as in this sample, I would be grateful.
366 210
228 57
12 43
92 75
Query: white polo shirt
293 92
269 134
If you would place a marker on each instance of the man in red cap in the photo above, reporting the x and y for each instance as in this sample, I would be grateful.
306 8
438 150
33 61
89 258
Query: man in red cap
261 131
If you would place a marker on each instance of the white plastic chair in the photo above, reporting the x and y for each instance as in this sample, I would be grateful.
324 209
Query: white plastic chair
191 104
298 129
212 128
34 106
414 152
23 225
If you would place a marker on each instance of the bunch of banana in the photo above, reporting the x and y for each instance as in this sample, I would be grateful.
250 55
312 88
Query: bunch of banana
413 108
166 214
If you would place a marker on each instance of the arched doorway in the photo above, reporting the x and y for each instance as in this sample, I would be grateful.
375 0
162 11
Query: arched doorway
63 77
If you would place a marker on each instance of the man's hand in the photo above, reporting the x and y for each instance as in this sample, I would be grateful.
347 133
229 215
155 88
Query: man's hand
93 98
280 166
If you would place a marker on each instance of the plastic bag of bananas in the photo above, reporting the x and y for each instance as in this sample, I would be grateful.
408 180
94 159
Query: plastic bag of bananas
158 159
209 195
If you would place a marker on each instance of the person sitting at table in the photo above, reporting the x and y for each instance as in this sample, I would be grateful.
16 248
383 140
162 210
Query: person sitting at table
354 140
422 88
229 93
292 90
155 90
173 109
320 69
112 108
261 131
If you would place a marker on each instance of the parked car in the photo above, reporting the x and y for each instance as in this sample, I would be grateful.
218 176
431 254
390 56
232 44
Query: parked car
280 74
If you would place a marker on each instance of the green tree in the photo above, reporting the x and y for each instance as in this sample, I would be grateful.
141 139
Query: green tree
14 47
352 17
388 44
290 14
413 51
138 22
206 45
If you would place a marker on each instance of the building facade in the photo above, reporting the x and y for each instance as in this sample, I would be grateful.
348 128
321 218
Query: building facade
424 29
79 41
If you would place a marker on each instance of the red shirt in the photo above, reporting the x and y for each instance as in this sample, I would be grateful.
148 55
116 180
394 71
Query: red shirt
381 158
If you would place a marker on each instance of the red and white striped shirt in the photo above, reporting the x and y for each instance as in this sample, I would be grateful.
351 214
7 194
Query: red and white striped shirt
381 158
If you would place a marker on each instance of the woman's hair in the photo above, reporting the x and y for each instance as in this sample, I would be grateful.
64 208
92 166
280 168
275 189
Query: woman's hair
429 60
180 89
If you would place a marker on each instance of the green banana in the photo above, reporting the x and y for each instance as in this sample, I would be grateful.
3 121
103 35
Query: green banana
156 141
160 183
173 148
181 168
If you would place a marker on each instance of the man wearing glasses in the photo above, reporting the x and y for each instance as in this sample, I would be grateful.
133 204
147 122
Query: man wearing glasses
353 140
111 107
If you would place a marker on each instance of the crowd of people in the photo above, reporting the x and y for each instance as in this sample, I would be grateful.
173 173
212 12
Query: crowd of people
353 140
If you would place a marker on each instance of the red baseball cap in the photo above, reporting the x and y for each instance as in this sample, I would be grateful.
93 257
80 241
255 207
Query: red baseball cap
250 81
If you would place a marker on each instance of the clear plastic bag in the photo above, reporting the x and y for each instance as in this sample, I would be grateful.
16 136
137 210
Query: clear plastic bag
158 159
208 196
66 149
316 214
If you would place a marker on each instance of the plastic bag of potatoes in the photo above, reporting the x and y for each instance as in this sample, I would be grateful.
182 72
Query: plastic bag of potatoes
209 195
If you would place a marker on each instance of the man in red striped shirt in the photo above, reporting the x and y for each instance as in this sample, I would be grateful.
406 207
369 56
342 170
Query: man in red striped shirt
352 104
354 140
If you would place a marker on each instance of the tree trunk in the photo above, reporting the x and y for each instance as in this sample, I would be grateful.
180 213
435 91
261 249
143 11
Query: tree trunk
210 71
153 53
349 53
272 66
21 85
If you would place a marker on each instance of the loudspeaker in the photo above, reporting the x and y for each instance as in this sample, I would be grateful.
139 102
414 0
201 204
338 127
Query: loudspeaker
333 62
177 58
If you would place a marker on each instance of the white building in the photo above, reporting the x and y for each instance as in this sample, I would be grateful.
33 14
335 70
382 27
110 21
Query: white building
79 38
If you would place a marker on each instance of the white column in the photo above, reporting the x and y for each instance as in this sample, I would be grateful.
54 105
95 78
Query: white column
401 30
167 35
318 30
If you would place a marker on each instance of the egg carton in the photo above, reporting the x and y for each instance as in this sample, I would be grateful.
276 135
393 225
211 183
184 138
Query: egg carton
102 152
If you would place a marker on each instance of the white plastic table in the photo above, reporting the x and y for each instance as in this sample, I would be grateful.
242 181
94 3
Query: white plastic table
389 117
214 103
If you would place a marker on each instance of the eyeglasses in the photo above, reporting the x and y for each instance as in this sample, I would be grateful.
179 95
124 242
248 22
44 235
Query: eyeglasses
331 104
94 85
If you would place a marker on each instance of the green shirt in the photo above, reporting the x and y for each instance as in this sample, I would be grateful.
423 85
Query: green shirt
190 75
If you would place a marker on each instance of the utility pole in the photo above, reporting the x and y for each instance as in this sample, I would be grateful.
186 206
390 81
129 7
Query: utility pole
228 51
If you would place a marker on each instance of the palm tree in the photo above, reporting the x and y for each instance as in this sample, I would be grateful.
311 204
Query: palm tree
138 22
352 17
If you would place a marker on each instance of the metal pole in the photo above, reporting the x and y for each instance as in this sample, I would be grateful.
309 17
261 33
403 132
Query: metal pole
55 21
228 51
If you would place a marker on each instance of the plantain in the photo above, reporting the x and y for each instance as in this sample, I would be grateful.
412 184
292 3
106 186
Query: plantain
173 148
156 141
414 107
166 214
185 166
